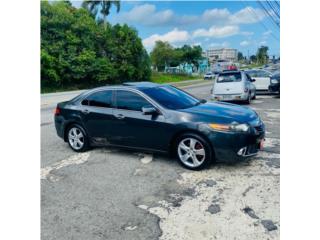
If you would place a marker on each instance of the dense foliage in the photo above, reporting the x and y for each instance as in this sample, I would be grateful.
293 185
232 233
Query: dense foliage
262 54
77 52
163 54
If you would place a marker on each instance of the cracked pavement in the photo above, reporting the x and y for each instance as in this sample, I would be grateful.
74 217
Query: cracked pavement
109 193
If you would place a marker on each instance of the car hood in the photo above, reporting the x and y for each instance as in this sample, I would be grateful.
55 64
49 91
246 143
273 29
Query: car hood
220 112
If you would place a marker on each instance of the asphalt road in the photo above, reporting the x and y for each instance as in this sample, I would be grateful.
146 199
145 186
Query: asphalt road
111 194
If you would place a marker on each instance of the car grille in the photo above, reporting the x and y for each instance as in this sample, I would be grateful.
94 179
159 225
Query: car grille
252 149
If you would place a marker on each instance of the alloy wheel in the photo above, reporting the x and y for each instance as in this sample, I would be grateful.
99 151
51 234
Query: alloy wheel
191 152
76 138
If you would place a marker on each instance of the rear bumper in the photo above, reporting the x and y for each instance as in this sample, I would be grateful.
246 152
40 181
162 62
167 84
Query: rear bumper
231 147
230 97
59 125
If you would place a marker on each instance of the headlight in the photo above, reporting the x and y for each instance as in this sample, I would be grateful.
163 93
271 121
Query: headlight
235 127
274 81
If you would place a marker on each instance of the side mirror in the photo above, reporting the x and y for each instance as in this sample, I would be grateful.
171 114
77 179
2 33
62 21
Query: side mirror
253 80
149 110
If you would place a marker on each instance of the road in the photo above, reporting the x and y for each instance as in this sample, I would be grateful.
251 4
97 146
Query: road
111 194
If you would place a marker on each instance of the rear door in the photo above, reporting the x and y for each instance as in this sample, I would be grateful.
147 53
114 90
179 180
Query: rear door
262 80
97 116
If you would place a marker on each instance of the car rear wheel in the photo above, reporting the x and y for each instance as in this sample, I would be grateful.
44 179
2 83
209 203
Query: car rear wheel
77 138
193 152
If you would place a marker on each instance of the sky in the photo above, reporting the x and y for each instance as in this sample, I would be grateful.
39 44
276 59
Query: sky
242 25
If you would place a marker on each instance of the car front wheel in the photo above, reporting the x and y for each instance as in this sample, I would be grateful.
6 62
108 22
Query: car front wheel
77 138
193 152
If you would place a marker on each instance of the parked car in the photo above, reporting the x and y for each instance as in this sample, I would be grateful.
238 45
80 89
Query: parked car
261 77
234 86
208 76
274 86
160 118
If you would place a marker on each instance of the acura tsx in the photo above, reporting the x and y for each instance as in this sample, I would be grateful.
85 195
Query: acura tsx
160 118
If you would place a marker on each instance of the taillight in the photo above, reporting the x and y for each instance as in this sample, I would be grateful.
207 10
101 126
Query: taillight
57 111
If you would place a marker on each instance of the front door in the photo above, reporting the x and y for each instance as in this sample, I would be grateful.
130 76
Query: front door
135 129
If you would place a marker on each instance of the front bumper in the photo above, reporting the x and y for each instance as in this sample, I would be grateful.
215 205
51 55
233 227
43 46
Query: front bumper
274 88
230 97
230 147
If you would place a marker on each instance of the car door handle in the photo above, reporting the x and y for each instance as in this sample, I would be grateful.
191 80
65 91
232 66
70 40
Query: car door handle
85 111
120 116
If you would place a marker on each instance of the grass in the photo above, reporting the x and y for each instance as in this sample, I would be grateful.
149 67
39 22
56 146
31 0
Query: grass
168 78
155 77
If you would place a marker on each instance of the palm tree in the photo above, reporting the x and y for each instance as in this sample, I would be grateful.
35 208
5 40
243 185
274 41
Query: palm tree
101 7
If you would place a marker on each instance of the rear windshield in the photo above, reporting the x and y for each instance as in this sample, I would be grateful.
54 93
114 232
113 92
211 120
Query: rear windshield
229 77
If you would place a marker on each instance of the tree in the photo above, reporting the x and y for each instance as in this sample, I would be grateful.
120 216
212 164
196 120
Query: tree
191 54
262 54
240 56
162 55
97 8
79 53
253 58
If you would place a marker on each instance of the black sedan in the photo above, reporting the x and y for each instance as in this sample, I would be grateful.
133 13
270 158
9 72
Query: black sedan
160 118
274 86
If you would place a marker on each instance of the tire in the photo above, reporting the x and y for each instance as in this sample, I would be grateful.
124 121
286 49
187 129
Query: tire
248 101
187 154
77 138
254 96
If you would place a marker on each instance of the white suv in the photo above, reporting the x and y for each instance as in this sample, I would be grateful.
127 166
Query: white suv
233 86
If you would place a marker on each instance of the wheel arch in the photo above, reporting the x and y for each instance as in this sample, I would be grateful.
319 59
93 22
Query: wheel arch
175 137
68 125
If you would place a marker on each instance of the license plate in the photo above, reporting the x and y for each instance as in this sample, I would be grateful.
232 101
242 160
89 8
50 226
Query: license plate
227 97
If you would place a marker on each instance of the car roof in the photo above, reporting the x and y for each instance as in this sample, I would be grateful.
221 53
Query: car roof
141 85
230 71
129 85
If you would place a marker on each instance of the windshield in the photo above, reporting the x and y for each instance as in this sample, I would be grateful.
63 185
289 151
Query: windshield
171 97
229 77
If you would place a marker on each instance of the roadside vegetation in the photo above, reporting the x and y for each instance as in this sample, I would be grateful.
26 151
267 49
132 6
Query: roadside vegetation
167 77
163 54
80 50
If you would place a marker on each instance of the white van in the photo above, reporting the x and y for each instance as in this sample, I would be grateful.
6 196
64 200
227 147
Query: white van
233 86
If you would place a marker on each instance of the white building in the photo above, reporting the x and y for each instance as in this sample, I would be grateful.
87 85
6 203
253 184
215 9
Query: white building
228 54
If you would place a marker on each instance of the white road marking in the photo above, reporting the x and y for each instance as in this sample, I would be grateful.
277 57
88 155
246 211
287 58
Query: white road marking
147 158
75 159
130 228
191 220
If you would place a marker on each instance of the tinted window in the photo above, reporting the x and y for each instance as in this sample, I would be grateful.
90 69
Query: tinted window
263 74
171 97
130 101
229 77
252 73
99 99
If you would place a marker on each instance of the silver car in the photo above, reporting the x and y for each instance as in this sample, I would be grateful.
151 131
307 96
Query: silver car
234 86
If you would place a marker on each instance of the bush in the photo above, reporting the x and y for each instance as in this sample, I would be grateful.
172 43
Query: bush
78 52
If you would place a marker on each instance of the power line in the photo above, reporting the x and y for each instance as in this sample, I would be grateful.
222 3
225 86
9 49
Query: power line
269 14
273 9
257 17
